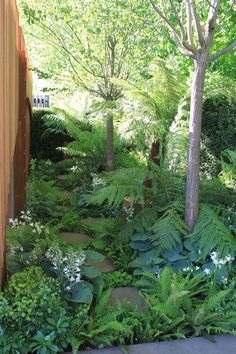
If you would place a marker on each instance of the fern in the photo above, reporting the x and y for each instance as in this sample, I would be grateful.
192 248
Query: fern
129 182
140 223
210 233
104 326
122 183
168 231
154 99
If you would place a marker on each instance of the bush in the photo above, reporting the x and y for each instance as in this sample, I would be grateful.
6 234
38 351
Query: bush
218 131
31 307
43 144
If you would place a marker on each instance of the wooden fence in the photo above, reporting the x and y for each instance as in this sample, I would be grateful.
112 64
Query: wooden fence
15 108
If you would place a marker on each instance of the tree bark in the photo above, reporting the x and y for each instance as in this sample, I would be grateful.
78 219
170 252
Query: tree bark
192 188
110 148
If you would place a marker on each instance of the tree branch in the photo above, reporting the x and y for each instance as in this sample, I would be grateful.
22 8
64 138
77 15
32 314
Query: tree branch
189 23
184 47
197 24
223 51
211 21
169 24
178 19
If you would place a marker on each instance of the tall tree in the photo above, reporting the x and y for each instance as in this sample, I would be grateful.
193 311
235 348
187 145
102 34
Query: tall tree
92 42
193 34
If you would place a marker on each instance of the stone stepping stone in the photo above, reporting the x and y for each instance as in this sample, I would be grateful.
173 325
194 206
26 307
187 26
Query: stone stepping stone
223 343
62 177
91 221
66 195
106 266
73 238
129 294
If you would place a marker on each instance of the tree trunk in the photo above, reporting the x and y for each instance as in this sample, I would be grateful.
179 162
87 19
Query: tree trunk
110 149
192 188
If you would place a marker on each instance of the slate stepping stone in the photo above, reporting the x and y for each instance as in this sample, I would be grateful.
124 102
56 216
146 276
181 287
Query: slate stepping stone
72 238
66 195
106 266
129 294
91 221
62 177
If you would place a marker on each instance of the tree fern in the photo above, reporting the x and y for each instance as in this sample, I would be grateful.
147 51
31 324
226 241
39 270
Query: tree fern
210 233
153 100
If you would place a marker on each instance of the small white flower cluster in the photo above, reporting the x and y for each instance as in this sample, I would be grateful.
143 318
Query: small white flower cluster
74 168
220 261
97 181
26 219
68 266
130 213
48 163
231 217
14 250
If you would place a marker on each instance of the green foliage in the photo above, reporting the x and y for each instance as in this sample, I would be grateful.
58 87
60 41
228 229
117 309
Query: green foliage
44 145
168 230
104 327
169 244
79 280
129 182
27 242
210 233
182 306
43 200
44 344
228 165
218 131
153 102
118 278
34 302
89 144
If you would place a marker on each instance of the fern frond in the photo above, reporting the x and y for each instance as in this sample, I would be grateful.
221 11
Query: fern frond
210 233
122 183
168 231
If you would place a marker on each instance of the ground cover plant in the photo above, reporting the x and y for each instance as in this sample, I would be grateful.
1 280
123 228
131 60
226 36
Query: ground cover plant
104 253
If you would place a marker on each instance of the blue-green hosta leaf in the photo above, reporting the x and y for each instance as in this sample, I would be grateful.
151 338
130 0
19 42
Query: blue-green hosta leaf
90 272
94 256
180 265
173 256
208 268
151 269
81 292
222 274
189 245
141 236
193 256
141 245
143 261
138 271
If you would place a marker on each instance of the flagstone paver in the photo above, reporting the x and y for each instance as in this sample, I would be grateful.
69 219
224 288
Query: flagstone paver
224 344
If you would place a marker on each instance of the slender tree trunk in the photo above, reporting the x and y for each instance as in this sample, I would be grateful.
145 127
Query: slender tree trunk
110 148
192 188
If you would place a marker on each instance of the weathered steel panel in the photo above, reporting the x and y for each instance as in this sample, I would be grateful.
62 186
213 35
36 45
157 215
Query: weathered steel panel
15 86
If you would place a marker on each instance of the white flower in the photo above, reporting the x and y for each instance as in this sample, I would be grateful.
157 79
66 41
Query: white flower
229 258
224 280
207 271
186 269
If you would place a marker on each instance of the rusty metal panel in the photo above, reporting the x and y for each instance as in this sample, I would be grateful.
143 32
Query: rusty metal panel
15 98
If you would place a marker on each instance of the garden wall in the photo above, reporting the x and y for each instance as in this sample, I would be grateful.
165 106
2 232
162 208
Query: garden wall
15 98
